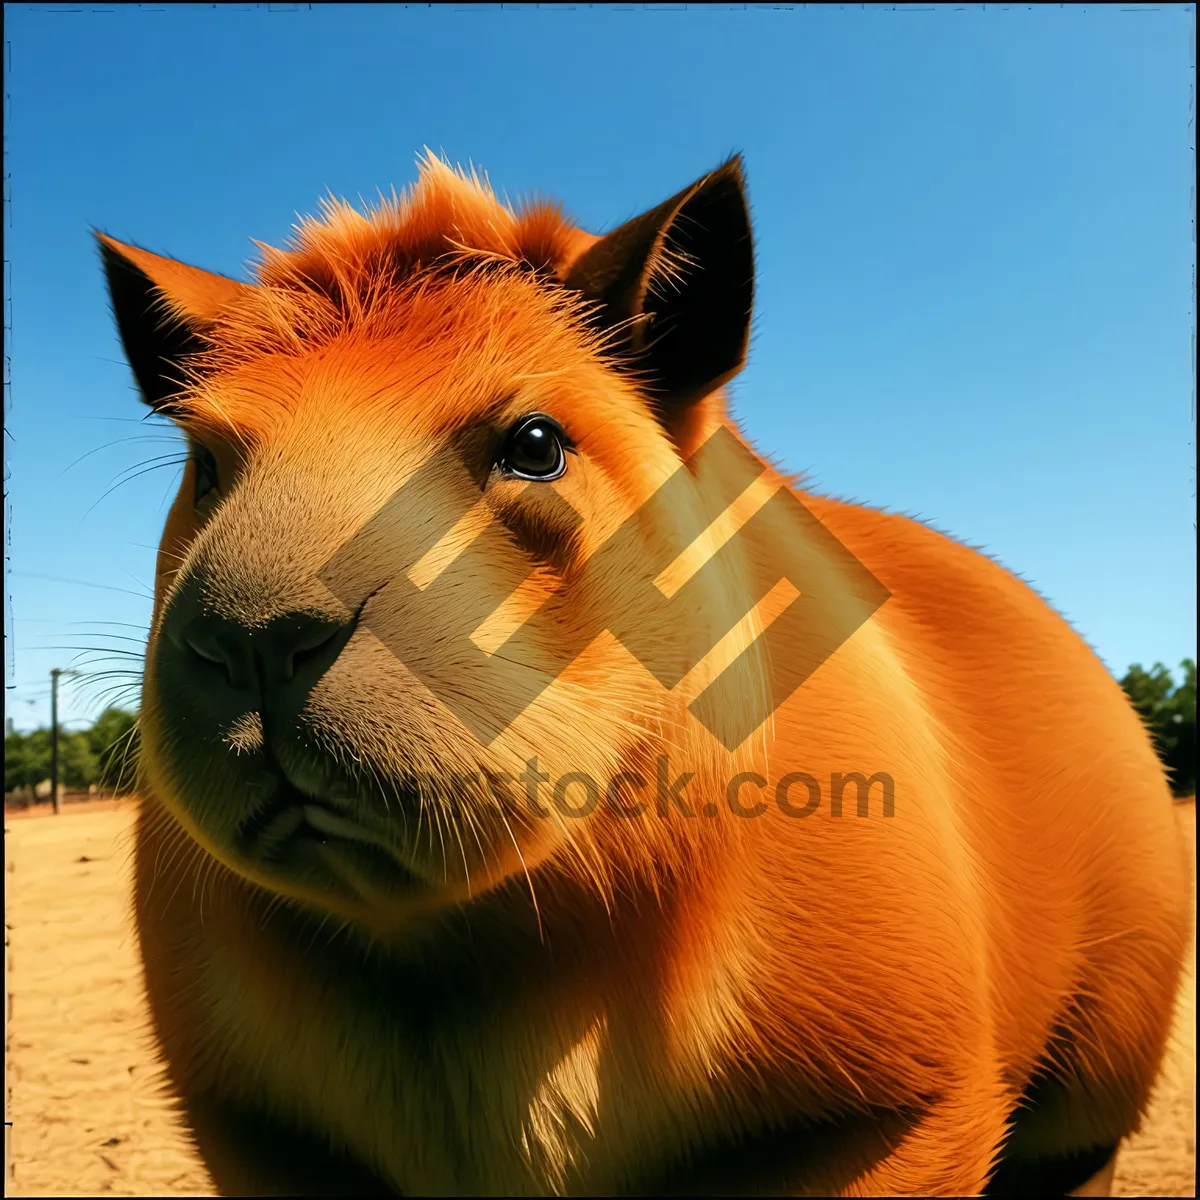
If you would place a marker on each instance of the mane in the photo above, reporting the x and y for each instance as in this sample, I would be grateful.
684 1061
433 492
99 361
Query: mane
347 269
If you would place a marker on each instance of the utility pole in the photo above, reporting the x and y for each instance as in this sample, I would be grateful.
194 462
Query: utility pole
54 674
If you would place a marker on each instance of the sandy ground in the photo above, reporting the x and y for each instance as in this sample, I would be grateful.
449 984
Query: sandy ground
83 1113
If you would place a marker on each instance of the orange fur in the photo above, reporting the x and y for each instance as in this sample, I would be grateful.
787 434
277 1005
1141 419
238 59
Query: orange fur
834 1004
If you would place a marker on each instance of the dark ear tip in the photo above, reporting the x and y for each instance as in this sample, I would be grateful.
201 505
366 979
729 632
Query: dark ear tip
112 251
734 166
110 257
727 181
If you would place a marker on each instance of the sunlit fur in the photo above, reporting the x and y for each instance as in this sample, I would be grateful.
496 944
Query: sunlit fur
614 1003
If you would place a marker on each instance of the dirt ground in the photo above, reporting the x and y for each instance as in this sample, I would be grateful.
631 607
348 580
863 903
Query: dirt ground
83 1113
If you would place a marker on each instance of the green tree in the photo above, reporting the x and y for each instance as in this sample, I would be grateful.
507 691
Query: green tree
78 767
105 754
1169 711
113 740
26 759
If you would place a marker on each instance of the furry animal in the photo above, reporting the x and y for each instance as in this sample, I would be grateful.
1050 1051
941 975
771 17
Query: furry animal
380 959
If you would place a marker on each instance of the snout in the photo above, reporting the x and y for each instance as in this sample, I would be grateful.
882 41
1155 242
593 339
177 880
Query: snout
236 668
229 694
274 807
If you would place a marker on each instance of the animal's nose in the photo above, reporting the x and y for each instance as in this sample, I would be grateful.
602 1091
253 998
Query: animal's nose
297 648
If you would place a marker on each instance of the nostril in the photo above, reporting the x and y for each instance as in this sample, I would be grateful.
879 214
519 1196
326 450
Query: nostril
216 644
203 644
309 644
308 650
302 641
298 642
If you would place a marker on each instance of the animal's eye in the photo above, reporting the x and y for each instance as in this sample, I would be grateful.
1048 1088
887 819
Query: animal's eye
207 479
536 448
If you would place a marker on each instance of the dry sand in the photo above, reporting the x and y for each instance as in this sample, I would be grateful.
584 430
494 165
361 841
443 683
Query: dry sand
85 1116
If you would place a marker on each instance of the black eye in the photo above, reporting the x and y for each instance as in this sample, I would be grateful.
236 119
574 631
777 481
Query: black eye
536 448
207 479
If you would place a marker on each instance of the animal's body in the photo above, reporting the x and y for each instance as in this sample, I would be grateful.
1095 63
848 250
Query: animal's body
450 995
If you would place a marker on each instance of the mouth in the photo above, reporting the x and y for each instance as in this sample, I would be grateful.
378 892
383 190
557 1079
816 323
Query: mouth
292 815
325 846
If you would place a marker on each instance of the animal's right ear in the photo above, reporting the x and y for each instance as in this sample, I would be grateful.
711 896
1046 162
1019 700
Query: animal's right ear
677 285
162 308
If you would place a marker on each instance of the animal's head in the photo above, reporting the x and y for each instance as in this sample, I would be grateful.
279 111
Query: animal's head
415 428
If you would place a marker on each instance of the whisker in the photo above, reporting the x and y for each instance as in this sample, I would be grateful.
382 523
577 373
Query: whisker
158 466
109 445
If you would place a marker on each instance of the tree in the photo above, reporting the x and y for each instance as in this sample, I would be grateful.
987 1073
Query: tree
105 754
26 759
77 765
1169 712
113 741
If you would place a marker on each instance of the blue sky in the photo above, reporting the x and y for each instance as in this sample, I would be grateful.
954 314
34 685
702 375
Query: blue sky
973 232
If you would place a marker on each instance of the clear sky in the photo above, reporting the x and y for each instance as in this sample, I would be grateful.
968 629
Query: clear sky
974 235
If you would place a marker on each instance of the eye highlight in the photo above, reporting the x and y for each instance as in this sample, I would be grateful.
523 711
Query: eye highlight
207 479
536 449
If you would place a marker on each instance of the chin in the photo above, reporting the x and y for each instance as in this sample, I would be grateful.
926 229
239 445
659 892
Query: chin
378 853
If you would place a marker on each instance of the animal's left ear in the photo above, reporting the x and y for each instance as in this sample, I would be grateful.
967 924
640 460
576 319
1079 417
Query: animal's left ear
681 280
162 308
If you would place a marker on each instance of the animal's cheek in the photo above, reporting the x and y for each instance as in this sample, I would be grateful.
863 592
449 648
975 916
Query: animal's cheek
371 701
182 527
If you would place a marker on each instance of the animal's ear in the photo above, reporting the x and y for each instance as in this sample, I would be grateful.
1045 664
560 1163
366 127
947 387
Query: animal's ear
678 281
162 308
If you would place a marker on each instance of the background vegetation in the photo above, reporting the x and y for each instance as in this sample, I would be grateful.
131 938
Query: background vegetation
1169 710
102 756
